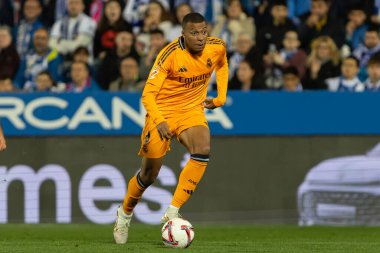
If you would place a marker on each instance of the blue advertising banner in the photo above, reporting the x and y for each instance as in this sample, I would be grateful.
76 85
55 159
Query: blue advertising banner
245 113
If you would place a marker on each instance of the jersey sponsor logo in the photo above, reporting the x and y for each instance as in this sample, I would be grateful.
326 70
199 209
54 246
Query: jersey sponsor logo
209 63
194 81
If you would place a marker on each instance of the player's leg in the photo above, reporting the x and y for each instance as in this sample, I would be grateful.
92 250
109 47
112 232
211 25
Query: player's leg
197 141
150 168
153 149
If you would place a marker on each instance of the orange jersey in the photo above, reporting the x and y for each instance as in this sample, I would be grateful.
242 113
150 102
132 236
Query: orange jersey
178 80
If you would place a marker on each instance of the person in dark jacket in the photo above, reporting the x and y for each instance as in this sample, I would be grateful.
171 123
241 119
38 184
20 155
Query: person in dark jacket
246 78
271 35
323 63
108 70
318 22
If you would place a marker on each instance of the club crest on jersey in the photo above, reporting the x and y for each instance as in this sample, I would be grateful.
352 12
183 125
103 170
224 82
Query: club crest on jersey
153 73
209 63
182 69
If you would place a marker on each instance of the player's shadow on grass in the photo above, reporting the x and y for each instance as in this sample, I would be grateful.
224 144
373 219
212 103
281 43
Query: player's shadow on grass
140 243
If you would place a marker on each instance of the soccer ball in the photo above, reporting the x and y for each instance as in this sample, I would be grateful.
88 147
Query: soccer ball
177 233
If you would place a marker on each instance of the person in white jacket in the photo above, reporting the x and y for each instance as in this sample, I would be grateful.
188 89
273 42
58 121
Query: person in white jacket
72 31
348 80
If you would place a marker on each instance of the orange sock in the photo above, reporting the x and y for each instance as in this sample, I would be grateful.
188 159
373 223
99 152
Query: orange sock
189 179
135 190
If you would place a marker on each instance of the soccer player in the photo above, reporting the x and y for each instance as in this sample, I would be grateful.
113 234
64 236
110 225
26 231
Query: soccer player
3 144
175 97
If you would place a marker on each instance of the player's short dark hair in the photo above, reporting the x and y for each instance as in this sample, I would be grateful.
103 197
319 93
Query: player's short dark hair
374 60
290 71
156 31
193 17
353 58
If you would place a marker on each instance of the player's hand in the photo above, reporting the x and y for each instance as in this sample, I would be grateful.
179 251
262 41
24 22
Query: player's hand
209 104
3 144
164 131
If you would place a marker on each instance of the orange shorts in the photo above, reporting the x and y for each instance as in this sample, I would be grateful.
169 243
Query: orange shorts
151 144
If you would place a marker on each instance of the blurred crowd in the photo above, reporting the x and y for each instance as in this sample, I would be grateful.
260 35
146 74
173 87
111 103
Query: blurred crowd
90 45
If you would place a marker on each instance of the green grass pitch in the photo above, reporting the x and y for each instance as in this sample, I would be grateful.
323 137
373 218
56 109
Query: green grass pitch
208 238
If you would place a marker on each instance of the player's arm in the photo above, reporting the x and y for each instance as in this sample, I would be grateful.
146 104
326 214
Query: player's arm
156 78
3 145
221 82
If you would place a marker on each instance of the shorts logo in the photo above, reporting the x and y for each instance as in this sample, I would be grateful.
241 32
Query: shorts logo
209 63
190 192
146 140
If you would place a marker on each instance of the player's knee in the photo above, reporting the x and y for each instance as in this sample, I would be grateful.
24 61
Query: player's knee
203 150
148 178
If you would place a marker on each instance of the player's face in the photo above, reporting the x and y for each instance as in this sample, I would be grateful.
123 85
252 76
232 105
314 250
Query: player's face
195 35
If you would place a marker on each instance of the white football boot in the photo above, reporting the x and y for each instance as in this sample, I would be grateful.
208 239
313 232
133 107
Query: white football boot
171 212
120 230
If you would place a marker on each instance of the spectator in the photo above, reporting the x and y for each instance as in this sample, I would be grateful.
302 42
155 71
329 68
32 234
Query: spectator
290 55
373 68
75 30
210 9
348 80
296 8
81 80
180 12
110 24
129 77
108 68
135 10
246 78
82 54
157 42
6 13
356 27
27 26
156 18
245 49
9 59
322 63
46 83
291 79
318 23
228 27
41 58
365 51
272 34
6 84
341 8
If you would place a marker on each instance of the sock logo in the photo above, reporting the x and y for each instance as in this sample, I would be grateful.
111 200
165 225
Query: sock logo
190 192
192 182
